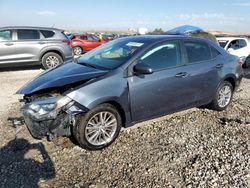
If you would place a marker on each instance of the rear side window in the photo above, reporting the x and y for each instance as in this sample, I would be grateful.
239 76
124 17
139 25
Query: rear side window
47 33
197 51
163 56
24 34
83 38
214 52
5 35
92 38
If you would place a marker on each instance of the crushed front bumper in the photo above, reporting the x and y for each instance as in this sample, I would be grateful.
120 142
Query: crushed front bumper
52 128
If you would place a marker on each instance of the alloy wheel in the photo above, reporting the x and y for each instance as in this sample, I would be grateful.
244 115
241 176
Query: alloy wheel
101 128
52 61
77 51
225 95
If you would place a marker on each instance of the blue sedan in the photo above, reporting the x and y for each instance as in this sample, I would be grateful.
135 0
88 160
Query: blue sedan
127 81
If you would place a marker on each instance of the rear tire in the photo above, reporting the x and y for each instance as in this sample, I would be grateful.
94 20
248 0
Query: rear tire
98 128
223 97
51 60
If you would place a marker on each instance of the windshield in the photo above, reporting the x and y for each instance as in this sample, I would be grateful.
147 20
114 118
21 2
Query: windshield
223 43
111 55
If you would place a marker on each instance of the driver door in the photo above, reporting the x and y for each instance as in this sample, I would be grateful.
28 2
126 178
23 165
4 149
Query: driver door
166 89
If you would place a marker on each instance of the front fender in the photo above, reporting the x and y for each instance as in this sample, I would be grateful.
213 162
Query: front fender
110 88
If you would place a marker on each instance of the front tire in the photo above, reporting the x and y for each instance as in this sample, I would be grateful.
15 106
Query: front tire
98 128
51 60
223 97
77 51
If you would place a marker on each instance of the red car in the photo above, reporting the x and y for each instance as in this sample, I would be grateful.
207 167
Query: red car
84 43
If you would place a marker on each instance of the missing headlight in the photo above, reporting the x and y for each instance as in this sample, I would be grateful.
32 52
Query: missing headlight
46 108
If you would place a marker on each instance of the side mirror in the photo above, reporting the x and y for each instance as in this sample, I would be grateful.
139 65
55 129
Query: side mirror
230 50
141 68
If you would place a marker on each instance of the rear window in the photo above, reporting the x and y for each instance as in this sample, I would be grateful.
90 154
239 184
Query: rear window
5 35
47 33
24 34
197 51
223 43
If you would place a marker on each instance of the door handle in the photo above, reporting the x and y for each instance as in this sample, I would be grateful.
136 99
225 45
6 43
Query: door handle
41 42
219 66
181 75
8 44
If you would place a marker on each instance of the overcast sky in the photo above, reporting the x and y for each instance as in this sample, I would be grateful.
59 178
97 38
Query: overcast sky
226 15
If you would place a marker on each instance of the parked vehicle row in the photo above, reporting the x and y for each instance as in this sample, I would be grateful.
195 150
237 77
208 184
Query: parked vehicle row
126 81
21 46
49 47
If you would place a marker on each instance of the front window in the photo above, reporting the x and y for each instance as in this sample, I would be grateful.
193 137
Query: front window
112 54
237 44
163 56
5 35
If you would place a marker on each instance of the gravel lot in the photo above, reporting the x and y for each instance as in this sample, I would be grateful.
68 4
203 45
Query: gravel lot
194 148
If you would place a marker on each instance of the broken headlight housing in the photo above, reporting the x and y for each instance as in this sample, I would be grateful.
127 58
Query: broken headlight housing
45 109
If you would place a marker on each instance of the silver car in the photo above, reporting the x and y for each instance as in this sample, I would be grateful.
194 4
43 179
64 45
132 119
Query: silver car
33 45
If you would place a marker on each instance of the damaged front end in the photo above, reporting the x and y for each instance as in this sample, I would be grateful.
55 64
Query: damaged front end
50 115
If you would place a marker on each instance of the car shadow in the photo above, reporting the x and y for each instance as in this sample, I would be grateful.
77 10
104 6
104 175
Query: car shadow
18 170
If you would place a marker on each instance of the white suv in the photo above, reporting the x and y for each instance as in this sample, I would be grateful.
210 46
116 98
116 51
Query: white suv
238 46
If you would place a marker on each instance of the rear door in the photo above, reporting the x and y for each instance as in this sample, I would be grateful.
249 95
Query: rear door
7 47
28 44
204 66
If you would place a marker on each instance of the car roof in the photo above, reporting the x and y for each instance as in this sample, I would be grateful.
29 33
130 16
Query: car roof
158 38
31 27
230 38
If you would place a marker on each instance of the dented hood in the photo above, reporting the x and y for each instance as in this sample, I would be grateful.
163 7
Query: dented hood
65 74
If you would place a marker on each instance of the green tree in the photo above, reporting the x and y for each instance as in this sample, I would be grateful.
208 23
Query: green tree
158 30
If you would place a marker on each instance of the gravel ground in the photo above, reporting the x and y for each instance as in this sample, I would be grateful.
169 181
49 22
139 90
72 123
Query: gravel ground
194 148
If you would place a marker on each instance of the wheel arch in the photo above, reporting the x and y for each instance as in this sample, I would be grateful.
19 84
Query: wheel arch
54 51
120 111
119 107
231 79
78 44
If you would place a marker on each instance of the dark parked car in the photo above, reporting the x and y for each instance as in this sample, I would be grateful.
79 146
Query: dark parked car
21 46
126 81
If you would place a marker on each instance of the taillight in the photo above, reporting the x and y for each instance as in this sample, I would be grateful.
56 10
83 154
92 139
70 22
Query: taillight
67 42
240 62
